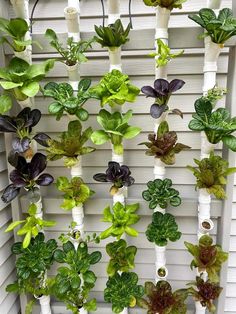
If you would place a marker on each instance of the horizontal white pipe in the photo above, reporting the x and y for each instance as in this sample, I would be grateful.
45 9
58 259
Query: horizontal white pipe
76 170
113 11
72 20
199 308
159 169
213 4
115 58
21 9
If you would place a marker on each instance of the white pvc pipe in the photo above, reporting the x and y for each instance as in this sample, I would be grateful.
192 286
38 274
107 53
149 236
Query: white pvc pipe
159 169
120 196
213 4
125 311
76 170
73 75
78 218
160 256
206 146
83 311
72 19
202 230
113 11
21 9
117 158
25 55
161 72
204 205
28 102
162 22
199 308
158 277
44 302
158 121
115 58
159 209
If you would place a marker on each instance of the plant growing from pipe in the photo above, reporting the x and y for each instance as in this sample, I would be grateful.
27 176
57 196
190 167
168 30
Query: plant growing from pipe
215 94
121 218
168 4
119 176
121 257
31 267
115 129
162 92
163 54
113 35
122 290
22 79
31 226
115 89
163 145
74 280
211 174
65 100
208 257
162 229
162 300
220 28
73 53
70 146
27 175
76 192
160 192
217 125
205 292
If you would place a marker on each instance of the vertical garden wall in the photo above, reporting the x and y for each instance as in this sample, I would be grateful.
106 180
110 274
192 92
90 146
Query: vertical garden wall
88 211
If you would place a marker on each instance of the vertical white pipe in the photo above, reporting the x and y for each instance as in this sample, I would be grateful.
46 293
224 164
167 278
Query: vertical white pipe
72 19
73 75
115 58
113 11
213 4
44 302
199 308
159 169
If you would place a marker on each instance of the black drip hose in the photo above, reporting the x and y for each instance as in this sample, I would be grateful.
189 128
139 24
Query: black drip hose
32 15
103 13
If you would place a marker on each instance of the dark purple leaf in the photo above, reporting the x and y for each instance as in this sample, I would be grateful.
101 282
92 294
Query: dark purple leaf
37 165
178 112
100 177
22 165
34 195
44 179
7 124
34 117
17 179
156 111
176 85
42 139
149 91
10 193
161 86
129 181
20 145
13 158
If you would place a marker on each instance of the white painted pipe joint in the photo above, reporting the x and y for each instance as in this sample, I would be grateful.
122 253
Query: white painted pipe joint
199 308
159 169
204 227
113 11
115 58
21 9
72 19
204 205
206 146
161 273
76 170
44 302
162 23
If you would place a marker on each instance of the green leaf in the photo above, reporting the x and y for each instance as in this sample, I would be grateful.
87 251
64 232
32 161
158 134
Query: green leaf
89 277
82 114
55 107
13 225
99 137
27 239
5 103
30 89
131 132
230 142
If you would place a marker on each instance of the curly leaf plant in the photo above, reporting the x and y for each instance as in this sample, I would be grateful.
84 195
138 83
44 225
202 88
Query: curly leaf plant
215 94
121 218
70 145
211 174
113 35
115 89
207 257
65 100
22 79
73 52
163 55
205 292
74 279
162 300
217 125
162 229
162 92
118 175
220 28
160 193
27 175
121 257
32 225
122 290
31 267
76 192
115 129
163 145
168 4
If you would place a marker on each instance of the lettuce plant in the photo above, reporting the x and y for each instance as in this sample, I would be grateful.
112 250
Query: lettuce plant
207 257
15 29
220 28
161 92
211 174
217 125
162 300
70 145
31 266
115 89
163 55
118 175
76 192
22 126
115 129
74 279
121 218
32 225
73 52
5 103
214 95
163 144
122 291
168 4
113 35
206 292
162 229
66 101
22 79
161 193
121 257
26 175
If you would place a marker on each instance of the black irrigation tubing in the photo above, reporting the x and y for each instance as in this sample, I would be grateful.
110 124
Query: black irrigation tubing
32 15
103 13
130 13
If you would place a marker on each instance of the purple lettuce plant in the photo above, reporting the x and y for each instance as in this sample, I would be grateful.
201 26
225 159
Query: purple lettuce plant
162 91
118 175
26 175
